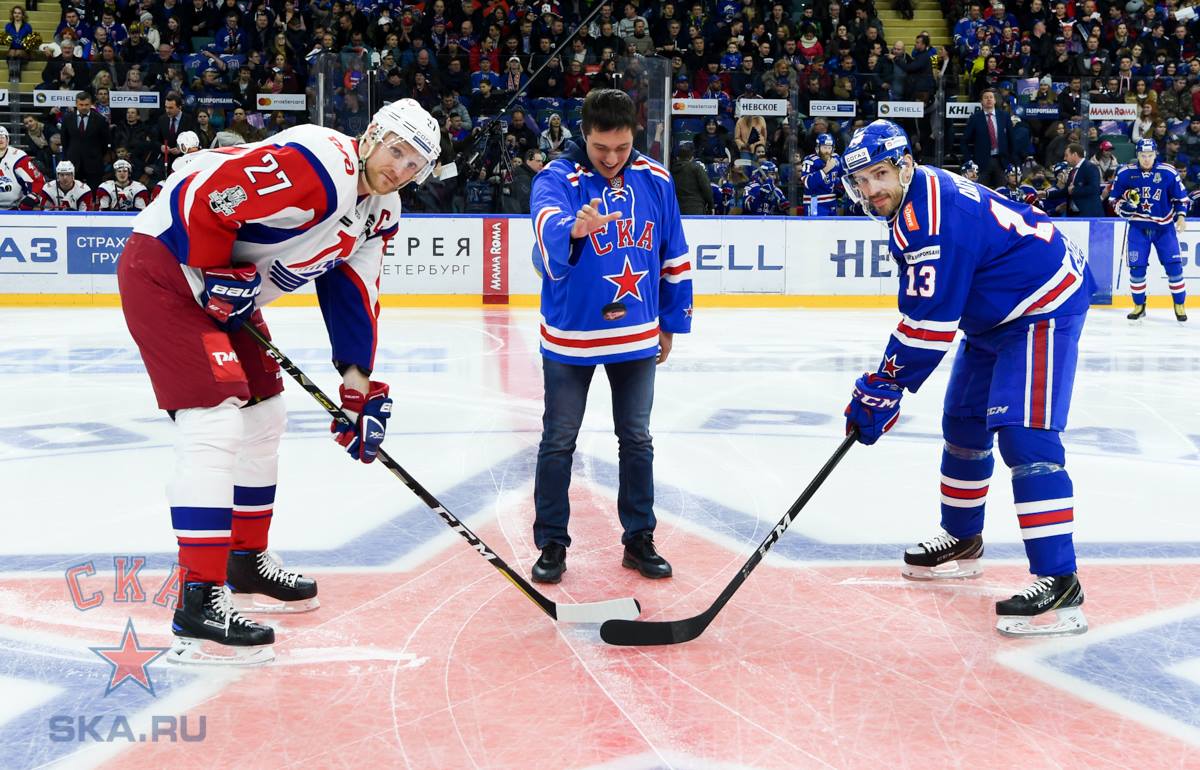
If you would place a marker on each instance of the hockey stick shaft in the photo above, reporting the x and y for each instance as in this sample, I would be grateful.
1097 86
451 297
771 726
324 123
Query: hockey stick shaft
616 608
638 633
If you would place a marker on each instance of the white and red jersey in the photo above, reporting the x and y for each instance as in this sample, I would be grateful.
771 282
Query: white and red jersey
290 206
78 198
132 197
21 182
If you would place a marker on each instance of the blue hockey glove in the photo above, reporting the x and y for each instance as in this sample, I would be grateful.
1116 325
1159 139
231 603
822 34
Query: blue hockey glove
229 294
874 407
370 411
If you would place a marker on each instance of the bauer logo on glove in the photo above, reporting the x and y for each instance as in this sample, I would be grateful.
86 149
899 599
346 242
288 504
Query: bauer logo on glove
370 412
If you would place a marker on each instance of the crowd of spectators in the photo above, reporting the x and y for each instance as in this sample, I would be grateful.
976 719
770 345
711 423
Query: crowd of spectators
1040 63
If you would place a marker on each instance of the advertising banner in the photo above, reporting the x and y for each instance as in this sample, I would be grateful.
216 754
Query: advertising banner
832 109
770 108
140 99
694 106
901 110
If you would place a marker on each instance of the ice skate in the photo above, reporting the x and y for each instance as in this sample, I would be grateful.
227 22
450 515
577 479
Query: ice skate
259 583
208 631
1028 613
944 557
1180 313
1138 313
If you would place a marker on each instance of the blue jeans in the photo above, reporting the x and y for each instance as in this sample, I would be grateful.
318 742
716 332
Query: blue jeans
632 384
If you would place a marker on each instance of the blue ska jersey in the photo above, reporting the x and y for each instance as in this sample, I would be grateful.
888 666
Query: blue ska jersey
972 260
605 297
1156 196
1022 193
821 190
764 199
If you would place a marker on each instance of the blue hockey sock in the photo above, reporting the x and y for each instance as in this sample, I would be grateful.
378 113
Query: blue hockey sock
1178 288
967 464
1044 498
1137 284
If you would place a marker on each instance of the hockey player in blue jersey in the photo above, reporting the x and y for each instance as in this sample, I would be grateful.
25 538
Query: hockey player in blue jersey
821 176
1002 274
763 196
1152 197
1054 197
616 287
970 170
1014 190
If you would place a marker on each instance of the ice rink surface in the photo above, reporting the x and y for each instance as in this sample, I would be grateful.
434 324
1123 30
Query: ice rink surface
423 656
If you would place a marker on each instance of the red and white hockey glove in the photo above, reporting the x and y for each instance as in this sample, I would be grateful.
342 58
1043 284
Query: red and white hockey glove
229 294
370 412
874 407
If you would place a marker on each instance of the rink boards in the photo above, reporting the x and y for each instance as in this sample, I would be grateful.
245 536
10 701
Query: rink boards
58 258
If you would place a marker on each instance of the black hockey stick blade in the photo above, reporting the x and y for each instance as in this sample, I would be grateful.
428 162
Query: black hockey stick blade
587 612
645 633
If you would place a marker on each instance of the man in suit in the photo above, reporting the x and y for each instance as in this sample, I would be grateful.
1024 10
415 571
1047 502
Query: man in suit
986 140
86 140
173 122
1083 184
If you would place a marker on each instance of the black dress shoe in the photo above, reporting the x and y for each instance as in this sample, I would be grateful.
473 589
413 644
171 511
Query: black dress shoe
551 564
641 556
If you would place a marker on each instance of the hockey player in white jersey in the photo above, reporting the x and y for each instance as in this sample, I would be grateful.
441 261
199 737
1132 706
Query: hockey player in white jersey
122 193
235 229
187 142
21 182
66 193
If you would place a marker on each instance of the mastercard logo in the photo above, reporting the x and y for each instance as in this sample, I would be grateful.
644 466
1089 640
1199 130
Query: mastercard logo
264 101
677 105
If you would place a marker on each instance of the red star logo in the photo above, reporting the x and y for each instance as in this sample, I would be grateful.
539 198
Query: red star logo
129 660
627 282
687 311
890 368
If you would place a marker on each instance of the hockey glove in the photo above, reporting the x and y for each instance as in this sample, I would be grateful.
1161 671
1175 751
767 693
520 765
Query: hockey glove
229 294
370 412
874 407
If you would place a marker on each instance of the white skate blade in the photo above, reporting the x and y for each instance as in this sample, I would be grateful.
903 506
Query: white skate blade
255 603
1066 622
951 570
598 612
189 651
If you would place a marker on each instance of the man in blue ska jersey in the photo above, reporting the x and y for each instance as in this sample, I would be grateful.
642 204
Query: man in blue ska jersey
1152 197
616 287
1000 272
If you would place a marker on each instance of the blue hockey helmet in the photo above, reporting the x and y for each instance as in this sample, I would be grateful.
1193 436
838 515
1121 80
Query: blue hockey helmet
1012 170
824 140
874 143
765 172
1147 145
877 141
1061 167
717 170
970 166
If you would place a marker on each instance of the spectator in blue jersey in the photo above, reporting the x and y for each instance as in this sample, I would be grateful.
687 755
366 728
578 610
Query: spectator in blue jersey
616 287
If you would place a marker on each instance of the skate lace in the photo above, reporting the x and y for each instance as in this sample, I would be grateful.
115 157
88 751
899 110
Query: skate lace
939 542
271 568
1041 585
222 604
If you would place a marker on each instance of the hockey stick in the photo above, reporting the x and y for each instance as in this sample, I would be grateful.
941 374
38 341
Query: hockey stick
639 633
588 612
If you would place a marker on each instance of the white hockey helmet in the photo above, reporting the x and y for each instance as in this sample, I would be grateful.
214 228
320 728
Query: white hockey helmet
187 141
65 167
409 121
122 165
